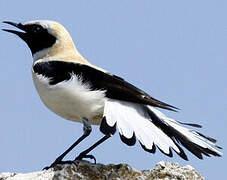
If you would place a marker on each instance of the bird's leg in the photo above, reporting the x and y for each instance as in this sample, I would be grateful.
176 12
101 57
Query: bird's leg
84 154
87 130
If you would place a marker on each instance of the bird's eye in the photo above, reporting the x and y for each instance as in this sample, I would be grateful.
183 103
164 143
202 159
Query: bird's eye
36 29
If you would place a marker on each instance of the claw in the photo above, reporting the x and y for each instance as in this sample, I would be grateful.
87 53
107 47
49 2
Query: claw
58 162
46 168
81 156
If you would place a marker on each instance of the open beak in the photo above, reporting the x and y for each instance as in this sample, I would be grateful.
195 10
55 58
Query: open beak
18 25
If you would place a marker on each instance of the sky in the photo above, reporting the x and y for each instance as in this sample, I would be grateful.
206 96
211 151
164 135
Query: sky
174 50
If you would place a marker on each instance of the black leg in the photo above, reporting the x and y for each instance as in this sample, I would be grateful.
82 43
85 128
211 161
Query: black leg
87 130
84 154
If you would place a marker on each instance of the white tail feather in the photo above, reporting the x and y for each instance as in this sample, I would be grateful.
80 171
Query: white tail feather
190 134
132 118
135 119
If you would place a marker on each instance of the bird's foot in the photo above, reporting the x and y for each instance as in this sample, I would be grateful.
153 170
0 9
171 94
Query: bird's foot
58 162
82 156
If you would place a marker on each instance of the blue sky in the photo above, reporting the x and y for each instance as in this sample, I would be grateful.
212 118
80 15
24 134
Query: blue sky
174 50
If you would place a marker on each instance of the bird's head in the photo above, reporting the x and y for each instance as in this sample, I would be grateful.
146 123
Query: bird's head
44 38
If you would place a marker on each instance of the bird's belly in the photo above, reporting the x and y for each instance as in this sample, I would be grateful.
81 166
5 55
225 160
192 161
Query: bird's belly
71 99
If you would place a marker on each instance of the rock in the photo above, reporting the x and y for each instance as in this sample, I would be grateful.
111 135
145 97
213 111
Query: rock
83 170
173 171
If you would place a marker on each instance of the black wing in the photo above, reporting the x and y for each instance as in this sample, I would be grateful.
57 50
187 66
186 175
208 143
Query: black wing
115 87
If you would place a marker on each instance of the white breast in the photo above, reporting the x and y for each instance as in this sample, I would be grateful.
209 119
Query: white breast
72 99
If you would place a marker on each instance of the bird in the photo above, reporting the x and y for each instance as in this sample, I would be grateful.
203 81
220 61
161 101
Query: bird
73 88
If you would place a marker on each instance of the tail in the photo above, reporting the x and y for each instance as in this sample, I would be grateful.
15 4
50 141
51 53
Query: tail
153 129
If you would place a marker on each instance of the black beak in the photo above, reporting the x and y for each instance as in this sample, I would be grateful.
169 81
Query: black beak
18 25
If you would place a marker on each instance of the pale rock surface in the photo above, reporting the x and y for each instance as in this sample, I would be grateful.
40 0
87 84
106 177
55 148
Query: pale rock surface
83 170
